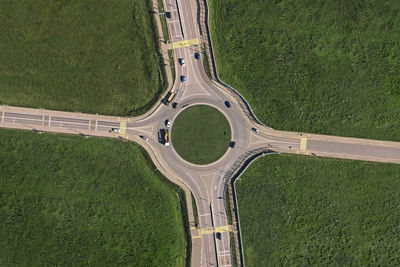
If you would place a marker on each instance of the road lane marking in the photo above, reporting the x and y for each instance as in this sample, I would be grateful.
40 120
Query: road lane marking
185 43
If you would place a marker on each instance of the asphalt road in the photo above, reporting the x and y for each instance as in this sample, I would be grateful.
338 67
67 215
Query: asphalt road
207 183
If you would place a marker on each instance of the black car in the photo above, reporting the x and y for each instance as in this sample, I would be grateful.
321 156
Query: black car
168 15
227 104
196 55
218 235
174 105
232 144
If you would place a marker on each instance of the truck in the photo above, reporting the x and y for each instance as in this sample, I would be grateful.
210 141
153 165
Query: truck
166 138
163 137
168 98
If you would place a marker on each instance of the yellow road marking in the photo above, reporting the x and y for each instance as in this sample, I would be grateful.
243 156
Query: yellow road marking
303 144
122 128
222 229
185 43
208 231
197 236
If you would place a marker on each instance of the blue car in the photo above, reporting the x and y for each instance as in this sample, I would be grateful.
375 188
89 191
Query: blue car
227 104
183 79
196 55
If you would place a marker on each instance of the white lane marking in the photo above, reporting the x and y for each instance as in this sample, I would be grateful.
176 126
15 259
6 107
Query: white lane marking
208 214
90 123
49 120
43 120
95 128
2 117
172 21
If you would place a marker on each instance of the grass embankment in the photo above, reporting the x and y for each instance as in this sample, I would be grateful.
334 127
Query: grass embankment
330 67
95 56
201 134
68 200
302 211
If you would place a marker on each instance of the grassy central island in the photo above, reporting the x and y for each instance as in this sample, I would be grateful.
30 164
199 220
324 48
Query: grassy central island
201 134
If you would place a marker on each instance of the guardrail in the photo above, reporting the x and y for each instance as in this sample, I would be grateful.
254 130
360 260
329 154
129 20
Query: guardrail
230 178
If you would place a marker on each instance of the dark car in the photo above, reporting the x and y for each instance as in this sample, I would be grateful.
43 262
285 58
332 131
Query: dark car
232 144
183 79
174 105
218 235
196 55
227 104
168 15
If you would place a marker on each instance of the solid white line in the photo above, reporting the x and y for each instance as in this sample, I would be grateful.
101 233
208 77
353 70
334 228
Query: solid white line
90 122
208 214
95 128
2 119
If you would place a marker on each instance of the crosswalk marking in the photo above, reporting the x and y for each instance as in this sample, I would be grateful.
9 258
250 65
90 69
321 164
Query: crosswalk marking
185 43
303 144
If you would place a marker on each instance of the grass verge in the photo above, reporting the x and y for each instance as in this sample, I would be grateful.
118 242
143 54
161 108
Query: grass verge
206 63
163 20
319 212
201 134
195 214
60 56
67 200
233 249
172 64
329 67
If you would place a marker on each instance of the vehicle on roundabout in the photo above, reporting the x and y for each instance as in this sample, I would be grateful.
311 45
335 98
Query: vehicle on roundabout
227 104
232 144
167 123
174 105
255 129
183 79
143 137
182 62
218 235
163 137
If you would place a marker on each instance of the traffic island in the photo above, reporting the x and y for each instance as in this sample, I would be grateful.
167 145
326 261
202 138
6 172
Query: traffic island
201 134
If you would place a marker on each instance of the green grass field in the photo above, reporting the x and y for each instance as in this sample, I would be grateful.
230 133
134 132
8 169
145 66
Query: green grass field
92 56
201 134
303 211
324 66
71 201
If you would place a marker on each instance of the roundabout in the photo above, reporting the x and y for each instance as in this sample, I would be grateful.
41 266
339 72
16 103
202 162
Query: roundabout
201 134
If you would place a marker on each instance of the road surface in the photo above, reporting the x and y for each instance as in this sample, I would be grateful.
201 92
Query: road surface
207 183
